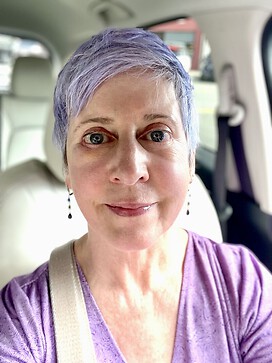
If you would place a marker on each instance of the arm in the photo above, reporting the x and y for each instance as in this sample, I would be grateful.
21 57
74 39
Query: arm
26 328
15 331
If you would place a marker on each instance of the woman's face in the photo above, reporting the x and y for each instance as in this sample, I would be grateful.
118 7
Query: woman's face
128 162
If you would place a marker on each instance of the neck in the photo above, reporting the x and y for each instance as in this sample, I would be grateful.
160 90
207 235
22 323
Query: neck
140 271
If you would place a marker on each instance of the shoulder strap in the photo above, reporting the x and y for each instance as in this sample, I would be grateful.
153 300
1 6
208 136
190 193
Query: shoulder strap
219 193
72 331
231 114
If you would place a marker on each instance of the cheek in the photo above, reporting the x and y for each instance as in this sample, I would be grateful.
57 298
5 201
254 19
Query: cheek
87 186
178 179
173 174
180 176
85 177
177 162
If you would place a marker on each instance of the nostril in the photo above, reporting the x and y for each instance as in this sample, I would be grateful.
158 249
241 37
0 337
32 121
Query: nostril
129 176
116 179
129 165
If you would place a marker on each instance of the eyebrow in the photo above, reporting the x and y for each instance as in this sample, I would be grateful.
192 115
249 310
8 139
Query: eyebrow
154 116
101 120
108 120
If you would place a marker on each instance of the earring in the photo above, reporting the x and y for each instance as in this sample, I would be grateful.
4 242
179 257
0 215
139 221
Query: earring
188 202
69 203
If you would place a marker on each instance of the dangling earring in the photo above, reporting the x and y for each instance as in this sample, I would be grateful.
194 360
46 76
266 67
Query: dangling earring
69 203
188 202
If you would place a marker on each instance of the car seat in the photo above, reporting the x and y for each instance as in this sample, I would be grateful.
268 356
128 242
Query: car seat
24 111
34 213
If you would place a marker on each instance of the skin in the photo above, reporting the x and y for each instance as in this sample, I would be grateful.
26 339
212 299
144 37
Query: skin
131 189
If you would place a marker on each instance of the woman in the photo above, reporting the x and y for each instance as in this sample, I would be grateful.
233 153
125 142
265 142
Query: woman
153 291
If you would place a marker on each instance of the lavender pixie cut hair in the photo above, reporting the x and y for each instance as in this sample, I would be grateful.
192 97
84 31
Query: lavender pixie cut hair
112 52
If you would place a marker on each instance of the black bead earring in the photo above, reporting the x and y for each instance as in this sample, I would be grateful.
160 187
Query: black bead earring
188 202
69 203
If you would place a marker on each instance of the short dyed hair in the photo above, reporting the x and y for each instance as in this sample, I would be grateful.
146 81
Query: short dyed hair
112 52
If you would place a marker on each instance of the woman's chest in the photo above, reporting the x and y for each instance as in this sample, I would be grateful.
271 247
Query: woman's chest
191 331
143 330
143 337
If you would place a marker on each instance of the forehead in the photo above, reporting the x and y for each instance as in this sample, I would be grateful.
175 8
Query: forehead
134 89
132 98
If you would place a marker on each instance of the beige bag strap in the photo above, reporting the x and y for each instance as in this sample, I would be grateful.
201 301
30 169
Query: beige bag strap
72 331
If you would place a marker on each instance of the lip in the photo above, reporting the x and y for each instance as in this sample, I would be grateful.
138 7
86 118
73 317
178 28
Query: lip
130 209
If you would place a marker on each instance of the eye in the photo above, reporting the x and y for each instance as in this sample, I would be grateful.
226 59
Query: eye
95 138
158 136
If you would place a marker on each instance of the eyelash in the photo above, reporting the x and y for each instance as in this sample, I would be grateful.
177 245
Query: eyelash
156 135
89 135
165 134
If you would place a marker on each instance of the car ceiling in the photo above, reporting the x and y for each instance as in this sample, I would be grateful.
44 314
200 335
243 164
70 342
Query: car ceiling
63 24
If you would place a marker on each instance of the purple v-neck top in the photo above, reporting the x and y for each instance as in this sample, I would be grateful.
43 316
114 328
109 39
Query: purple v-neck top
225 312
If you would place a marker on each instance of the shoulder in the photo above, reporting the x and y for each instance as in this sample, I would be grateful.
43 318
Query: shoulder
28 289
25 316
235 266
233 261
244 285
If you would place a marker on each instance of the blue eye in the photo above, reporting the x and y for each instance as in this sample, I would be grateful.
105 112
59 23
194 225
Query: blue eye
94 138
157 135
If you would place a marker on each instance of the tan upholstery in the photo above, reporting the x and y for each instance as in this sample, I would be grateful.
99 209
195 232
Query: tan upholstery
33 217
33 196
24 111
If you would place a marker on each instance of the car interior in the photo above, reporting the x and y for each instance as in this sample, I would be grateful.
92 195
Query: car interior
227 49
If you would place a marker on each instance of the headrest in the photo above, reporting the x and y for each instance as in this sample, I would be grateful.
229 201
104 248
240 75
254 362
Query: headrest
32 77
53 155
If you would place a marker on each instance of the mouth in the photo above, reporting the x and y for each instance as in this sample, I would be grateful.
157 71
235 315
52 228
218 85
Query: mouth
129 209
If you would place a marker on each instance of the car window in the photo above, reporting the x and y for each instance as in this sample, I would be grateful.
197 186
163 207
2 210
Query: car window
191 46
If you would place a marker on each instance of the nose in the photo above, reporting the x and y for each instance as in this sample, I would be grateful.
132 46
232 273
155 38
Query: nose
129 164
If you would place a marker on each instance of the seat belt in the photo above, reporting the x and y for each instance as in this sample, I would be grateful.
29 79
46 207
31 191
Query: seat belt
72 330
219 191
230 116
